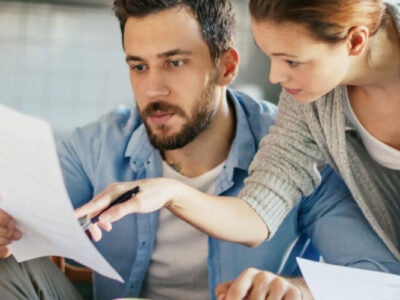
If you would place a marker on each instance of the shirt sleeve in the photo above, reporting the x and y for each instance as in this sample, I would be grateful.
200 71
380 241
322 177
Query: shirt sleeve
76 164
285 166
338 229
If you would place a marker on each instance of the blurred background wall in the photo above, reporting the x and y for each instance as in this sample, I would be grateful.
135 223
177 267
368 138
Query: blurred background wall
62 60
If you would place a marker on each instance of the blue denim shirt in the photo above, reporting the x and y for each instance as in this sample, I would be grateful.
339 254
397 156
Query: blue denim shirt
116 148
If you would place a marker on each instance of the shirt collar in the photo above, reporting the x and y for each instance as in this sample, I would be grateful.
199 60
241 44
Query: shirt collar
244 145
139 148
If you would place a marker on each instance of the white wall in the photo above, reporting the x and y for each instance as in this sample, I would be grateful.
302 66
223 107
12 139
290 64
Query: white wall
61 63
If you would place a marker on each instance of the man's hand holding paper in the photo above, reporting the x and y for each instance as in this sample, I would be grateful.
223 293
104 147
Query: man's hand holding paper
8 233
33 193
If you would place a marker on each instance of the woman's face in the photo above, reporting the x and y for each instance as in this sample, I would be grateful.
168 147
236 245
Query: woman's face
303 66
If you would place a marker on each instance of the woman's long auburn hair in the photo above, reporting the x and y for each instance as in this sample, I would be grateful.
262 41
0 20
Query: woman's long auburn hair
327 20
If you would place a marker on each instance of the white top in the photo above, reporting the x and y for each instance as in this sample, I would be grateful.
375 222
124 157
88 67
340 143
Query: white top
385 155
178 267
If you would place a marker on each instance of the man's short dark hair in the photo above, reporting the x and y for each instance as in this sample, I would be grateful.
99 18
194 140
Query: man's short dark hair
216 18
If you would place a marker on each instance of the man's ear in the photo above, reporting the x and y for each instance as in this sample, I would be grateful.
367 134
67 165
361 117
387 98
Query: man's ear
357 40
228 66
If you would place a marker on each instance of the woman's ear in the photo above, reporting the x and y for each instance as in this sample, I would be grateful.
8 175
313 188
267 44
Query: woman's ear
357 40
228 66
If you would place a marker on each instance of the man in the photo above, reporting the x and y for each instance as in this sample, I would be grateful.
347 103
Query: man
188 126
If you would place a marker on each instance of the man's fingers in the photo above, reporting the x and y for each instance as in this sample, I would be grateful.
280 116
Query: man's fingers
261 286
4 241
4 218
17 235
253 284
282 289
4 252
9 233
6 233
294 294
222 289
241 287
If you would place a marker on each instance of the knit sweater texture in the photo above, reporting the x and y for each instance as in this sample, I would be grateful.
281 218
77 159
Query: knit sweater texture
308 136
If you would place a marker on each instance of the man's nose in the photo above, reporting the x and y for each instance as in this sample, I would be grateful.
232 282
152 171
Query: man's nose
156 85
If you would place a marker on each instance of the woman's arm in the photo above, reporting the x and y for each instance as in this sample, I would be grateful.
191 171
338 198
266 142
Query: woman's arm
227 218
285 166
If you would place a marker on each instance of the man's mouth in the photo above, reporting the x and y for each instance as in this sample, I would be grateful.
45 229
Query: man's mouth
160 118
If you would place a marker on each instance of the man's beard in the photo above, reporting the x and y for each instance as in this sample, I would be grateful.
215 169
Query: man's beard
202 115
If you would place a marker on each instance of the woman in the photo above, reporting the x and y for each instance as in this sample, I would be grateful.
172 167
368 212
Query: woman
338 62
353 48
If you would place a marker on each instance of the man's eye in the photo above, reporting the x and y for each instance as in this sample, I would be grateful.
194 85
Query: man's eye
176 63
138 68
292 63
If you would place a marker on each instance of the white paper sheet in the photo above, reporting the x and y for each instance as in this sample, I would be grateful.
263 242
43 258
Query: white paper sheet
331 282
33 192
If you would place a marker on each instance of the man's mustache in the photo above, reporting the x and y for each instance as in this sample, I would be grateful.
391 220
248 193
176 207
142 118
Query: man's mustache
161 106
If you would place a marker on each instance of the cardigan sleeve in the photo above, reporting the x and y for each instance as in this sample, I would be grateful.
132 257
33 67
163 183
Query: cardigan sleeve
285 166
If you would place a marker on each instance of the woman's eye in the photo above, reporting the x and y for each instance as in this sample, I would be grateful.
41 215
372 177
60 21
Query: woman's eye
176 63
292 63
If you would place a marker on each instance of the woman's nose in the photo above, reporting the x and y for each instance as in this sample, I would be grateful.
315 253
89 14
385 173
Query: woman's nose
277 73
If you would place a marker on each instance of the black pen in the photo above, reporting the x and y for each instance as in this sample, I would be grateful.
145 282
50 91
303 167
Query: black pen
85 222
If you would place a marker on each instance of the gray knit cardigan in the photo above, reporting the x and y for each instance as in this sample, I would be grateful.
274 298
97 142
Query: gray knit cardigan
307 136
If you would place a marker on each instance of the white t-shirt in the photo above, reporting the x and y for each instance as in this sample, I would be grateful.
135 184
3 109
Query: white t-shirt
385 155
178 267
